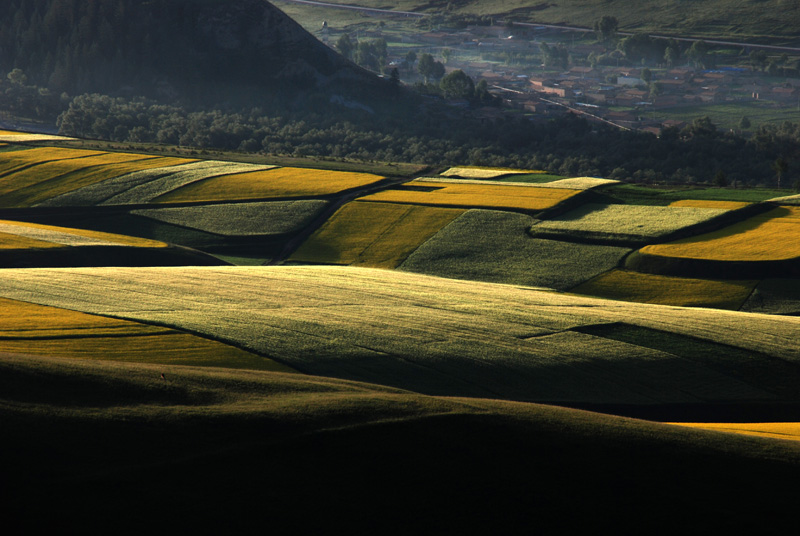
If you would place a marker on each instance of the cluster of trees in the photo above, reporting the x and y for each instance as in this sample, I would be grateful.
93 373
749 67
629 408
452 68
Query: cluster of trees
442 136
370 54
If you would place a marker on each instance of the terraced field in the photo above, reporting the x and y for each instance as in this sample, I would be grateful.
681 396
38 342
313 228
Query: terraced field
441 336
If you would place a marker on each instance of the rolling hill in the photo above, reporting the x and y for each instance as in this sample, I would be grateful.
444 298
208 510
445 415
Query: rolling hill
89 446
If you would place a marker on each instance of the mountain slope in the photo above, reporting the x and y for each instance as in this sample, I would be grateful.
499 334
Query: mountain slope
166 48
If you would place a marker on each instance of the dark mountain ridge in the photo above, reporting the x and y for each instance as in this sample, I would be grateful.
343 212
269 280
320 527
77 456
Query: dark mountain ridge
195 50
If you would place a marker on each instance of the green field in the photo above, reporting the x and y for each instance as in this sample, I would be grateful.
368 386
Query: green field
768 20
495 246
727 116
633 194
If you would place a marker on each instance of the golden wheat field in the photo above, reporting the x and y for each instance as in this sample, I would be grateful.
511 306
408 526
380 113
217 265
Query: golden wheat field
27 328
274 183
470 172
35 193
667 290
774 235
378 235
474 195
22 158
34 234
709 203
775 430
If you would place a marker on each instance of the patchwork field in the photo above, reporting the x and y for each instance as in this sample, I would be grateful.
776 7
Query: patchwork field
275 183
766 244
574 183
31 329
665 290
377 235
457 193
441 336
143 186
494 246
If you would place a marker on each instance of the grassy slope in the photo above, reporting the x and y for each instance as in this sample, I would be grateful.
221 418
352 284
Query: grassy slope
88 447
731 19
439 336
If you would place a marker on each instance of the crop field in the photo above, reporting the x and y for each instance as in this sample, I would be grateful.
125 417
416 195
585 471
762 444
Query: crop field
241 219
13 137
456 193
789 200
144 186
775 296
379 235
469 172
62 236
433 335
774 235
709 203
665 290
774 430
22 158
575 183
623 222
41 185
494 246
32 329
644 195
275 183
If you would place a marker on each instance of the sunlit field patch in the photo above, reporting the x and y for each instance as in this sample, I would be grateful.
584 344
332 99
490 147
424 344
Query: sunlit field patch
42 187
710 203
11 161
774 430
469 172
494 246
624 221
12 136
378 235
23 235
241 219
144 186
666 290
275 183
772 236
32 329
575 183
477 195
